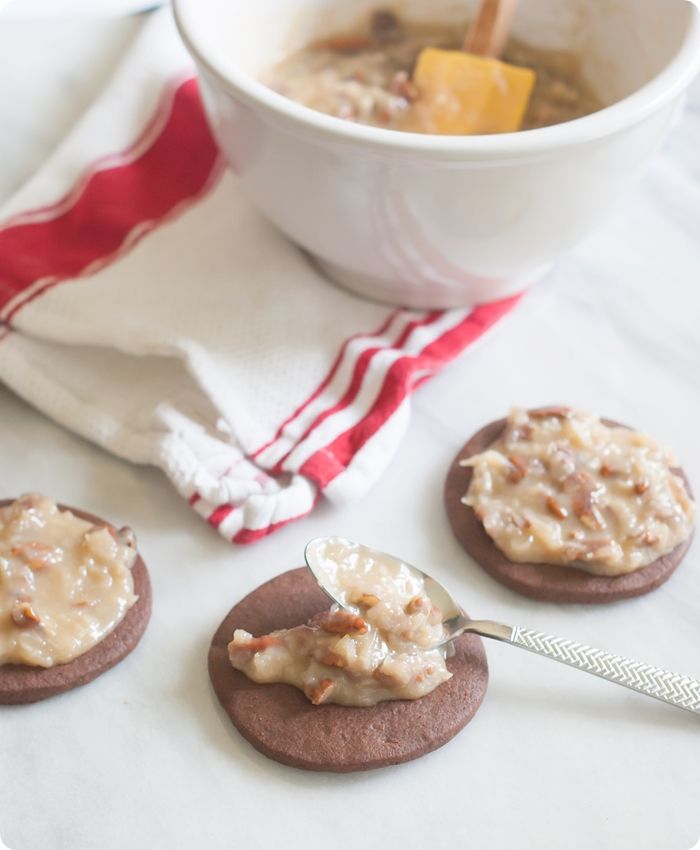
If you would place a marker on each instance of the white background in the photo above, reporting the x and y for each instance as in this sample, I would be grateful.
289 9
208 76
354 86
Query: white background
554 759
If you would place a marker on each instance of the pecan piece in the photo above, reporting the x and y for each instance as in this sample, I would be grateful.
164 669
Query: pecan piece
518 468
24 616
582 488
30 549
258 644
321 692
340 623
556 509
641 486
369 600
33 553
546 412
345 43
414 605
332 659
383 678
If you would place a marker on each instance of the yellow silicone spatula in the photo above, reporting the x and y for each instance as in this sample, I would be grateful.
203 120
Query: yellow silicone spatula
470 91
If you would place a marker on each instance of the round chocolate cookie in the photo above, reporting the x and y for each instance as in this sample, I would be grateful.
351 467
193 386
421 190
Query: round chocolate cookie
21 683
281 723
546 582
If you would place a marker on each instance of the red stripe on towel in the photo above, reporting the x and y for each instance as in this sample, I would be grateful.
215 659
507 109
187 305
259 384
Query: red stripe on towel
218 515
323 466
117 205
361 370
251 535
124 196
342 354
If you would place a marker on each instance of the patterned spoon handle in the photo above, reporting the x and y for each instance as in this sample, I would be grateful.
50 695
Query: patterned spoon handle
681 691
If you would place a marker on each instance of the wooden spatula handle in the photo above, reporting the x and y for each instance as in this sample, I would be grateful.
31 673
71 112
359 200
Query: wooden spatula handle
489 32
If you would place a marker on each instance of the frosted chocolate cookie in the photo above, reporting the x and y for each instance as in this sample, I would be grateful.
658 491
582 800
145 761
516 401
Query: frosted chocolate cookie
75 598
357 700
561 506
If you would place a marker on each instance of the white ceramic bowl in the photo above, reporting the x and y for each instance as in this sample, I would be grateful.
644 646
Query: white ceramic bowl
440 221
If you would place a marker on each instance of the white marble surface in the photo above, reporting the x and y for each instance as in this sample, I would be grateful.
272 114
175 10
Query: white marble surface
52 70
84 8
144 756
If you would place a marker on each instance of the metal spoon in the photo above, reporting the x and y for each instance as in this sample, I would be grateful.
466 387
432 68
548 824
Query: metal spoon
681 691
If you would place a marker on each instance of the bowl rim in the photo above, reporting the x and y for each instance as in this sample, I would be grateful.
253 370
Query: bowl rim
667 85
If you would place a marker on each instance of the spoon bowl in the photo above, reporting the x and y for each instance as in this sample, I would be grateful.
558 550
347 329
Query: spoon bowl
327 556
321 556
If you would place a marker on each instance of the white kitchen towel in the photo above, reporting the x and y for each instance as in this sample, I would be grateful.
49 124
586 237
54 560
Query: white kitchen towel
146 305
